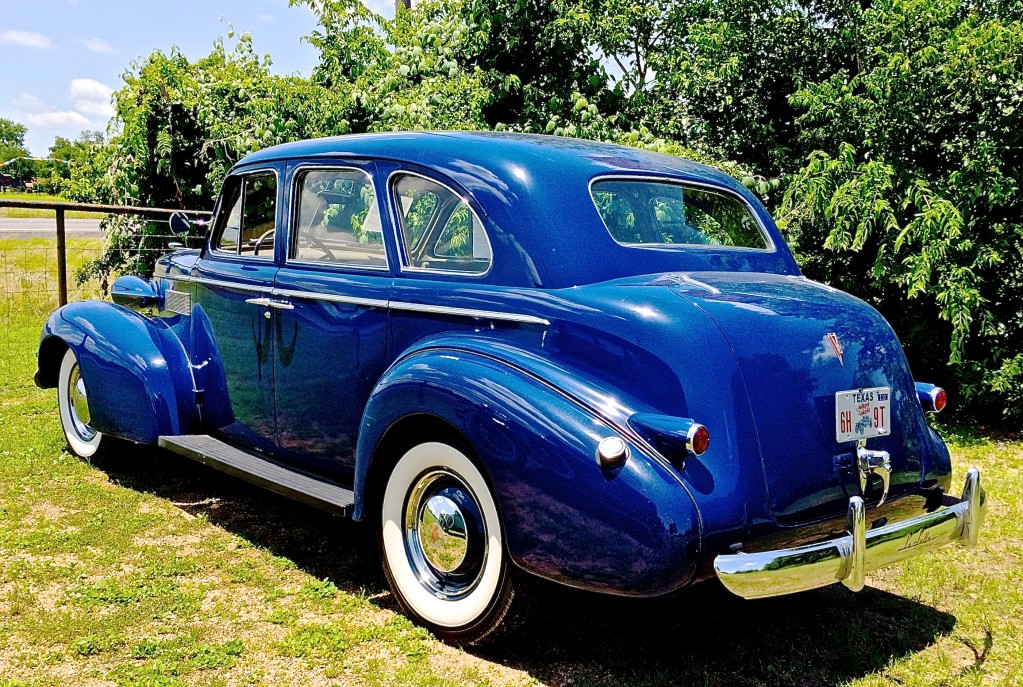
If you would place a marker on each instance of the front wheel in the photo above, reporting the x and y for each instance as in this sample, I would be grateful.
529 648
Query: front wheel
442 545
75 416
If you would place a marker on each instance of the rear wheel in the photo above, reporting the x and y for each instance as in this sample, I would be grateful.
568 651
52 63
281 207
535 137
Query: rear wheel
442 545
75 416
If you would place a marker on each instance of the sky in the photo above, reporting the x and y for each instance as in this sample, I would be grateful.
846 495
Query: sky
61 59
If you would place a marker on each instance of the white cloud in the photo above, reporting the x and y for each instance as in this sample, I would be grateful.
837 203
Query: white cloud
90 89
92 98
29 102
98 45
265 18
28 39
56 120
92 108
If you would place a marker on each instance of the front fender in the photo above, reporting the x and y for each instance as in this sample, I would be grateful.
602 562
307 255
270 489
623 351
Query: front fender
633 530
136 370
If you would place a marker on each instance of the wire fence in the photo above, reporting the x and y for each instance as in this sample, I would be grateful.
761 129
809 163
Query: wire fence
41 266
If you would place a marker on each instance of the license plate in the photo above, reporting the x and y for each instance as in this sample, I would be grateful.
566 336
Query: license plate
862 413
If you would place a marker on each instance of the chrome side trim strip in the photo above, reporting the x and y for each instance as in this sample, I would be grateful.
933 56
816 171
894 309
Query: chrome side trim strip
469 312
331 297
205 281
375 303
847 559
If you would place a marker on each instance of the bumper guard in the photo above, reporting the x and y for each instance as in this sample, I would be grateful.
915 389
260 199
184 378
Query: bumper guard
849 558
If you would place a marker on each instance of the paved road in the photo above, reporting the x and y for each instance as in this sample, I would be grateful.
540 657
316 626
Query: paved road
46 227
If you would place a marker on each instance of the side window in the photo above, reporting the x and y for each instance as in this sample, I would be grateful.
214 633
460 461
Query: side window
338 219
249 216
439 230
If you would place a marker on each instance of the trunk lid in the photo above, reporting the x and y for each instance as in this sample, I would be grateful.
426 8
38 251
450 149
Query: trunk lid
783 331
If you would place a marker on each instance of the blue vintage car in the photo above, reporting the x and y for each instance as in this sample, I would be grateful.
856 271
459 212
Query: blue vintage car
516 355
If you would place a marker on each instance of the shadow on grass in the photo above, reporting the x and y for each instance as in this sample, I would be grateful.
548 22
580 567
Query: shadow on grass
704 636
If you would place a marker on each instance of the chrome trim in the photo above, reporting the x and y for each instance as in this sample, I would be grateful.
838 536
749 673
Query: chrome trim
78 404
296 189
432 565
205 281
331 297
281 305
377 303
847 559
683 181
265 302
685 278
468 312
403 266
869 463
612 451
179 302
856 574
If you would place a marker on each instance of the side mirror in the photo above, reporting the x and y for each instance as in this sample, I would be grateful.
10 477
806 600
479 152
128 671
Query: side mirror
135 293
179 223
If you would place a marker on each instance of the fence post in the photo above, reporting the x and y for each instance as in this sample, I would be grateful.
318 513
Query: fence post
61 258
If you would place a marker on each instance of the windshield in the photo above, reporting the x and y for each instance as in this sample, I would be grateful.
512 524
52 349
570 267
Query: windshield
644 212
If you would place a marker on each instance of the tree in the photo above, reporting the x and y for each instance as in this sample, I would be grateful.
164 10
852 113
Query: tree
912 200
12 147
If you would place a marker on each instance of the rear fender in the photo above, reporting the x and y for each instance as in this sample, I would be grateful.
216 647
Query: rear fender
136 370
632 530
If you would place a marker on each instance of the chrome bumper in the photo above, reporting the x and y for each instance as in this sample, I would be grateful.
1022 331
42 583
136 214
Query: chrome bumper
847 559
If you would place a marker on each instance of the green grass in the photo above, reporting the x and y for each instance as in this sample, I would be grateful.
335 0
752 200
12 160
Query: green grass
41 197
162 572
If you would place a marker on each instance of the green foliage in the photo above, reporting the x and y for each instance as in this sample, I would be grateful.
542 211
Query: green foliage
915 186
892 129
12 145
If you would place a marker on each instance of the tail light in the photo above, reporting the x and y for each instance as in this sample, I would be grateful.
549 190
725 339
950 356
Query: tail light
932 398
673 436
697 439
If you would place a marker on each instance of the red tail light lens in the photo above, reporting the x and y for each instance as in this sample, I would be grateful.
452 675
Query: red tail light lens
940 399
697 439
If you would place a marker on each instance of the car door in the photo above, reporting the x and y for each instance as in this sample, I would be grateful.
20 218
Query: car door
233 337
331 338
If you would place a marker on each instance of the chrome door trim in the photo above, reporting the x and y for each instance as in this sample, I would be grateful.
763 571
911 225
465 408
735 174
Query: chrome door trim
205 281
472 313
469 312
331 297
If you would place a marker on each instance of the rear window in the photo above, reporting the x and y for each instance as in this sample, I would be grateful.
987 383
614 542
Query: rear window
638 212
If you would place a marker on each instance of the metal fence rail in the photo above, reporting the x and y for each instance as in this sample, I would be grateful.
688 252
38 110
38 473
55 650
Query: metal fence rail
37 271
60 208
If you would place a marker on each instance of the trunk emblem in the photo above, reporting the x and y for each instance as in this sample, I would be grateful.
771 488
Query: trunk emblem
835 344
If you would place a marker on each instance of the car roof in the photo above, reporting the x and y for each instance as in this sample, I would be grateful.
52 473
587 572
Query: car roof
535 189
433 148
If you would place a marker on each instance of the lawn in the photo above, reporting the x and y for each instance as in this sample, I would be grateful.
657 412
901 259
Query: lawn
41 197
163 572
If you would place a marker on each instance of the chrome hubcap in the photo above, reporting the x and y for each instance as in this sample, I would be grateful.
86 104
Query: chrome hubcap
78 404
445 536
442 533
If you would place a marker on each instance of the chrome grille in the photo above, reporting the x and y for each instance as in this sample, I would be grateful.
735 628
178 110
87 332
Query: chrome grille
179 302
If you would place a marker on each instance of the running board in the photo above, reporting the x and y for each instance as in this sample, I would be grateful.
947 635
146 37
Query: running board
258 470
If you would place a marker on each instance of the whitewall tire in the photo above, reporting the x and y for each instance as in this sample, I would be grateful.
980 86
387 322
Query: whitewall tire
73 404
442 544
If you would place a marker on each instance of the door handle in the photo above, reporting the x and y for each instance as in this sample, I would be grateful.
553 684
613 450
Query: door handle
281 305
258 301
